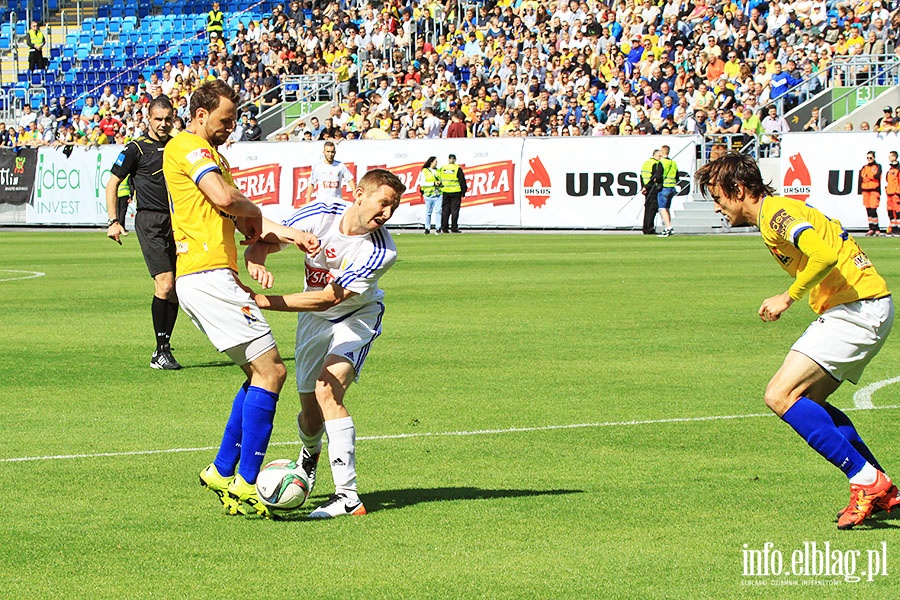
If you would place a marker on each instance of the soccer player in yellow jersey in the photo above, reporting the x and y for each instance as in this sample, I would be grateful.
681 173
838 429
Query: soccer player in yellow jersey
855 314
206 209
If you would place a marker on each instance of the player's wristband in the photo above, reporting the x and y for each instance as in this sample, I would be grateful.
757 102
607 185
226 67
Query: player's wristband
111 221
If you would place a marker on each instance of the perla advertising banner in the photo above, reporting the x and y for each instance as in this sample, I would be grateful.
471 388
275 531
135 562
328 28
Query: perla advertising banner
266 171
822 169
70 188
490 169
595 182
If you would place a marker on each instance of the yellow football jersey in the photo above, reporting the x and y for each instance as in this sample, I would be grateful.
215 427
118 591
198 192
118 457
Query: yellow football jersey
782 220
204 235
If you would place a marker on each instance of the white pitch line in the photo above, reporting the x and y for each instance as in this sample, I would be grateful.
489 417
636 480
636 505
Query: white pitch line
862 399
30 274
400 436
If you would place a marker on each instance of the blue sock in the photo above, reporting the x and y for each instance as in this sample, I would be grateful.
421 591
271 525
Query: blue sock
845 426
259 413
230 448
814 425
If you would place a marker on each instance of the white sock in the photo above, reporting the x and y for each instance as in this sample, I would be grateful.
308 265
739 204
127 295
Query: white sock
342 454
866 476
313 442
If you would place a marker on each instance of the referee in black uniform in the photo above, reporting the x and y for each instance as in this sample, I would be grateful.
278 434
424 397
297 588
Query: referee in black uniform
142 159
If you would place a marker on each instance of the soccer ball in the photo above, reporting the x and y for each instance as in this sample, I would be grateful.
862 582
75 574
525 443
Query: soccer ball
282 485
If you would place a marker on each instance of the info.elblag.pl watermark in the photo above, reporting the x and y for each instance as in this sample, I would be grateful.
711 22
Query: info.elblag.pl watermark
812 563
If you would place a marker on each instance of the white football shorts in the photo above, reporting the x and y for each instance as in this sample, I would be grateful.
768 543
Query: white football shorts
350 338
845 338
224 311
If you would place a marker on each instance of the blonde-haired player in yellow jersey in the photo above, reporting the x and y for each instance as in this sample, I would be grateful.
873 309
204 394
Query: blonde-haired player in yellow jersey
855 317
206 209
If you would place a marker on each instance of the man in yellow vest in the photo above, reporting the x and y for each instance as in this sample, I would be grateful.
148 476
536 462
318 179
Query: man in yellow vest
664 198
453 188
651 184
36 42
215 22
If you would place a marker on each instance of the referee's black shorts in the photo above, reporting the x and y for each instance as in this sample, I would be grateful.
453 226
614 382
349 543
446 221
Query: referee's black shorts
154 231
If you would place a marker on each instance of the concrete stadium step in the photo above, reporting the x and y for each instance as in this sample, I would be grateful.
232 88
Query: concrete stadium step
697 217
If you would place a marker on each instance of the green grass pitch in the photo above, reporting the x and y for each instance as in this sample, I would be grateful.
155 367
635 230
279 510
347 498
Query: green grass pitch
544 416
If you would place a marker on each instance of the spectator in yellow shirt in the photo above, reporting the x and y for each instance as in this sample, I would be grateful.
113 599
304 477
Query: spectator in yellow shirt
732 66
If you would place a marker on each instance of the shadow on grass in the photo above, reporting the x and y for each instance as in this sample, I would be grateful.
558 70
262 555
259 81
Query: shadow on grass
225 363
394 499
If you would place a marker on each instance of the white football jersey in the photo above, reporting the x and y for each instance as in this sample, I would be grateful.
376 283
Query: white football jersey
328 181
355 262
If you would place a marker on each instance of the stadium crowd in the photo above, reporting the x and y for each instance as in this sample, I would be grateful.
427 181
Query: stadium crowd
524 68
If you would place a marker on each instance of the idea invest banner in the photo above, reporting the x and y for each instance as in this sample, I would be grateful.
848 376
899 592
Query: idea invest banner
70 189
822 169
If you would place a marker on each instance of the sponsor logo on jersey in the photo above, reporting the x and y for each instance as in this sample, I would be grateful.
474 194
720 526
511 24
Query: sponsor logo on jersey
251 319
536 183
260 184
330 252
781 222
797 181
779 256
317 278
862 261
195 156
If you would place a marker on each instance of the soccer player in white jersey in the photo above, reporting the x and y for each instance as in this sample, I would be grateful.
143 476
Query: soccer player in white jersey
329 177
340 316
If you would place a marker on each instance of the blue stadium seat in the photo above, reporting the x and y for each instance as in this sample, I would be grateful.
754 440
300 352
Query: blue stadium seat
69 51
69 76
104 12
127 25
23 77
5 42
107 64
21 27
37 78
101 25
55 52
85 38
72 39
99 39
83 51
49 78
117 13
131 12
115 26
119 62
87 24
